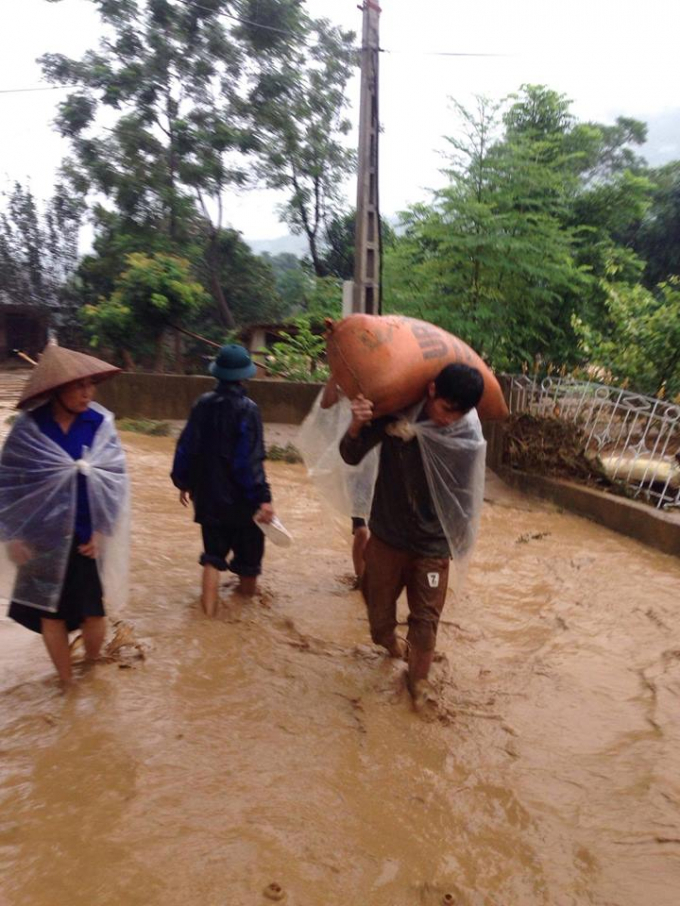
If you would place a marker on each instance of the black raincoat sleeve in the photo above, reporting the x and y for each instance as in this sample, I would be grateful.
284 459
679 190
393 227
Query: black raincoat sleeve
353 449
181 466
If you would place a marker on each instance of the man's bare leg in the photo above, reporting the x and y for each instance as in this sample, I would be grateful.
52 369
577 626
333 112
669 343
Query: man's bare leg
209 590
55 637
247 585
93 630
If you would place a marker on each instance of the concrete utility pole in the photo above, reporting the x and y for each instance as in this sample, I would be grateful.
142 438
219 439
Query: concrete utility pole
366 297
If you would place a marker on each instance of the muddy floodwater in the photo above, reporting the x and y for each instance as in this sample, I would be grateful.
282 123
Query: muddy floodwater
275 745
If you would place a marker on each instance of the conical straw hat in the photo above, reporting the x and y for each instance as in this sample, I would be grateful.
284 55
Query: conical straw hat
58 366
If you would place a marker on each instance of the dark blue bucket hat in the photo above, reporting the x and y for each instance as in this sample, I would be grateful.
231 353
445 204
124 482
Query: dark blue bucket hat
232 363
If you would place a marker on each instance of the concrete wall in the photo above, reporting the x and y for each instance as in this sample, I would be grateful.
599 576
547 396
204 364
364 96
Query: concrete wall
170 396
637 520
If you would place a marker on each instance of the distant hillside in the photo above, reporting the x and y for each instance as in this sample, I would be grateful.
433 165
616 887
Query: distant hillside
294 245
297 245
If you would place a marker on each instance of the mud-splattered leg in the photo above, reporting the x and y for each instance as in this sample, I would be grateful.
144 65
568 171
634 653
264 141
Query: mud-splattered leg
209 590
55 637
93 630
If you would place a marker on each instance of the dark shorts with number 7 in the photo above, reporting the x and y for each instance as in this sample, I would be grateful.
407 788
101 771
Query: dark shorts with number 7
388 571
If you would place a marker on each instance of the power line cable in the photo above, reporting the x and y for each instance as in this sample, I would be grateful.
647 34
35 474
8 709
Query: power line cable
444 53
424 53
46 88
287 31
283 31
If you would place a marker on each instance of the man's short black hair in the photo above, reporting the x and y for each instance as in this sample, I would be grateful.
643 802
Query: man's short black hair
460 385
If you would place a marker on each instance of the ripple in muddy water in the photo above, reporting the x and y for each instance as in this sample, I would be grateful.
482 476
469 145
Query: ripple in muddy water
276 745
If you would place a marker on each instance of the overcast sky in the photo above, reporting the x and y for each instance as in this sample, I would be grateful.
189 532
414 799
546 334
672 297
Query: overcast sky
611 57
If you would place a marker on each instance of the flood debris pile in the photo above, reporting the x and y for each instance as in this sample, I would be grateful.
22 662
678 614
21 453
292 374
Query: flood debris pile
279 453
545 445
145 426
122 646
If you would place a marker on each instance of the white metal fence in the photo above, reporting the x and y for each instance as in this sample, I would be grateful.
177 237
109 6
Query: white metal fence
636 437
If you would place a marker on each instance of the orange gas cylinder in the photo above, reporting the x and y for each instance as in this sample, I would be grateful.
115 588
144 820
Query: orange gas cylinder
391 360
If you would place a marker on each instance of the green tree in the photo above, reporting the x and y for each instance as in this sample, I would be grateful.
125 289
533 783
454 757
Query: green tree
247 281
491 259
612 195
170 74
294 283
154 293
300 354
302 292
325 300
337 259
298 99
539 212
658 238
39 251
640 346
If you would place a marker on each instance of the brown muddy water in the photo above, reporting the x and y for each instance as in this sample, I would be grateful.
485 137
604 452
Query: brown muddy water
276 745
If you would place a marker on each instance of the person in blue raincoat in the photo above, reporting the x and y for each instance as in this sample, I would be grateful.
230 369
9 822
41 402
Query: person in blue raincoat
219 465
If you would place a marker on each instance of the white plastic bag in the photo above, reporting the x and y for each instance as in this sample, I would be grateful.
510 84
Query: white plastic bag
347 489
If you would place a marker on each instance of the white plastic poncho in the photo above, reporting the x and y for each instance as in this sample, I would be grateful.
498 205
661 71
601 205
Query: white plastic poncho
454 459
38 492
347 489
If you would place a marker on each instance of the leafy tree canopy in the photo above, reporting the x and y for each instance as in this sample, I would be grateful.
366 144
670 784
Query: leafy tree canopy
640 344
154 293
539 209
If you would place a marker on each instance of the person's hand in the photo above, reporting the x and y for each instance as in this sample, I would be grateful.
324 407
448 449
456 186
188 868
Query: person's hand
19 552
184 497
362 414
89 549
265 513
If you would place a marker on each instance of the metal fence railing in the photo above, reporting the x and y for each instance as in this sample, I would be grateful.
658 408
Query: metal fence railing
637 437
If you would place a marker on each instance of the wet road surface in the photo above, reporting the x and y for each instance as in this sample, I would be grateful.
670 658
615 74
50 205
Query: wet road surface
276 744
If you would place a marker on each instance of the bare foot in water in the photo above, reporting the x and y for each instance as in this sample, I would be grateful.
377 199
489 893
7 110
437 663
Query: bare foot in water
247 586
423 696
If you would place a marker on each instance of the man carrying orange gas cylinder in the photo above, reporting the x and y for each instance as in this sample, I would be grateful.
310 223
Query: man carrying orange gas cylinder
430 479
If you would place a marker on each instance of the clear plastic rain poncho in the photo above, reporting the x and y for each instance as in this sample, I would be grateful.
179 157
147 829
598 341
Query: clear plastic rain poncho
38 489
453 457
347 489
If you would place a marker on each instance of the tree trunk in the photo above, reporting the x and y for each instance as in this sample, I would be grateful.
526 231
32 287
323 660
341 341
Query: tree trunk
225 314
128 361
319 269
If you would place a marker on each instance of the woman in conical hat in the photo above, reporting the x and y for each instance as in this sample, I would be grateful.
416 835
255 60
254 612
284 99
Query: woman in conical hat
63 506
